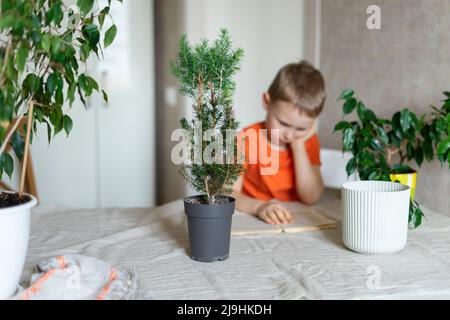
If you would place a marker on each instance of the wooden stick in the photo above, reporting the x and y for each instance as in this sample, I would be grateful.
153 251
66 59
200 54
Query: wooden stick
280 229
27 145
10 133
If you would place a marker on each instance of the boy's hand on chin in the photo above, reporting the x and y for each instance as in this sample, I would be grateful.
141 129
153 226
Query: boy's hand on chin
274 213
300 142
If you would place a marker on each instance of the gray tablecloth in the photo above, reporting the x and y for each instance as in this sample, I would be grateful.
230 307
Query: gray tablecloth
312 265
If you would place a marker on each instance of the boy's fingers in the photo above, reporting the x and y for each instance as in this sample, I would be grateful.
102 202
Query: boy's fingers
288 215
273 216
281 215
265 217
269 219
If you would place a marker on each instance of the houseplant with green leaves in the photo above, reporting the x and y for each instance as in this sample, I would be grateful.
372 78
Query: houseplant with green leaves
44 45
205 72
394 149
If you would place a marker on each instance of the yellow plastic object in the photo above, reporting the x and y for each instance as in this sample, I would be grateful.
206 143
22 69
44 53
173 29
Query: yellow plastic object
408 179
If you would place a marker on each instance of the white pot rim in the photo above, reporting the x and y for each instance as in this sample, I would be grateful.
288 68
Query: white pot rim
361 187
24 206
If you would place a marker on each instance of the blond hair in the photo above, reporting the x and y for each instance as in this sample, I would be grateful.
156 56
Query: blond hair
302 85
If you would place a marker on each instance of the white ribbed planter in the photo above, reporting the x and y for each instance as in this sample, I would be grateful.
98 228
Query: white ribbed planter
375 216
14 234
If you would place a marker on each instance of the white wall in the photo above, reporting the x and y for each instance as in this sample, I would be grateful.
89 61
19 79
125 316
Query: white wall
108 160
270 32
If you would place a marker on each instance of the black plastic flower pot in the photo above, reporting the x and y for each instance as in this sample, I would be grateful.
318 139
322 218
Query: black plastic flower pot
209 228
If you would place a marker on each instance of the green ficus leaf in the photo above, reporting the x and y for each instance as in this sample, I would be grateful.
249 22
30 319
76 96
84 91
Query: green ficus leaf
18 145
92 34
55 44
92 83
71 92
375 143
57 13
105 96
21 58
418 217
446 105
85 52
52 82
56 120
49 131
410 150
370 115
85 6
405 120
38 114
85 84
349 105
375 175
32 83
444 146
348 139
342 125
419 156
428 149
360 110
68 124
441 125
415 214
59 97
6 21
11 69
46 42
110 35
7 163
346 94
383 135
448 159
351 166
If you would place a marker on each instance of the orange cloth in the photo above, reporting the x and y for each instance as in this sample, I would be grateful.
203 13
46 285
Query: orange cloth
278 185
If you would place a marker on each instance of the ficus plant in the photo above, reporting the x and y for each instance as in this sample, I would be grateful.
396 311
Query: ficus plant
381 147
205 73
44 46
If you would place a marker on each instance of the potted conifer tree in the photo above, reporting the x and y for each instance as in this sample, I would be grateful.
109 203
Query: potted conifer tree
42 46
205 73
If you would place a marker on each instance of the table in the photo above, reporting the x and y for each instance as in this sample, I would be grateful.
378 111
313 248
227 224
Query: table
311 265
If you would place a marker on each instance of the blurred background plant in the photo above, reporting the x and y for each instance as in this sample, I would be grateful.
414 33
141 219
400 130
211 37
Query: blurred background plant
42 45
382 147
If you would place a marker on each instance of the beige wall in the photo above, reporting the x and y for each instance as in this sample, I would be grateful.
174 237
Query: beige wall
169 25
405 64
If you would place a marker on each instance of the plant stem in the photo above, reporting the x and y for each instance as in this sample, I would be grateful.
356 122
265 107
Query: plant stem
27 146
200 93
210 197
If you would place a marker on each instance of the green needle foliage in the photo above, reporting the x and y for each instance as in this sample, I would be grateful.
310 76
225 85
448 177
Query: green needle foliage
205 73
42 44
381 147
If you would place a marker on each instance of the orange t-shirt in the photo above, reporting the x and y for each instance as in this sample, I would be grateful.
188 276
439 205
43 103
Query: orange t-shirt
261 182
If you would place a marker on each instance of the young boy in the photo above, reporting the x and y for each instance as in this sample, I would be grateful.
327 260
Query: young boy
293 102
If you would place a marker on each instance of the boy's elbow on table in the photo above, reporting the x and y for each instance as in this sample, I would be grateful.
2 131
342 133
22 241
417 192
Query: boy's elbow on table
313 197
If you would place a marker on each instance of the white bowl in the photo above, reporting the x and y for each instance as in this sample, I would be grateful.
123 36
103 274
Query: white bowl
14 234
375 216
